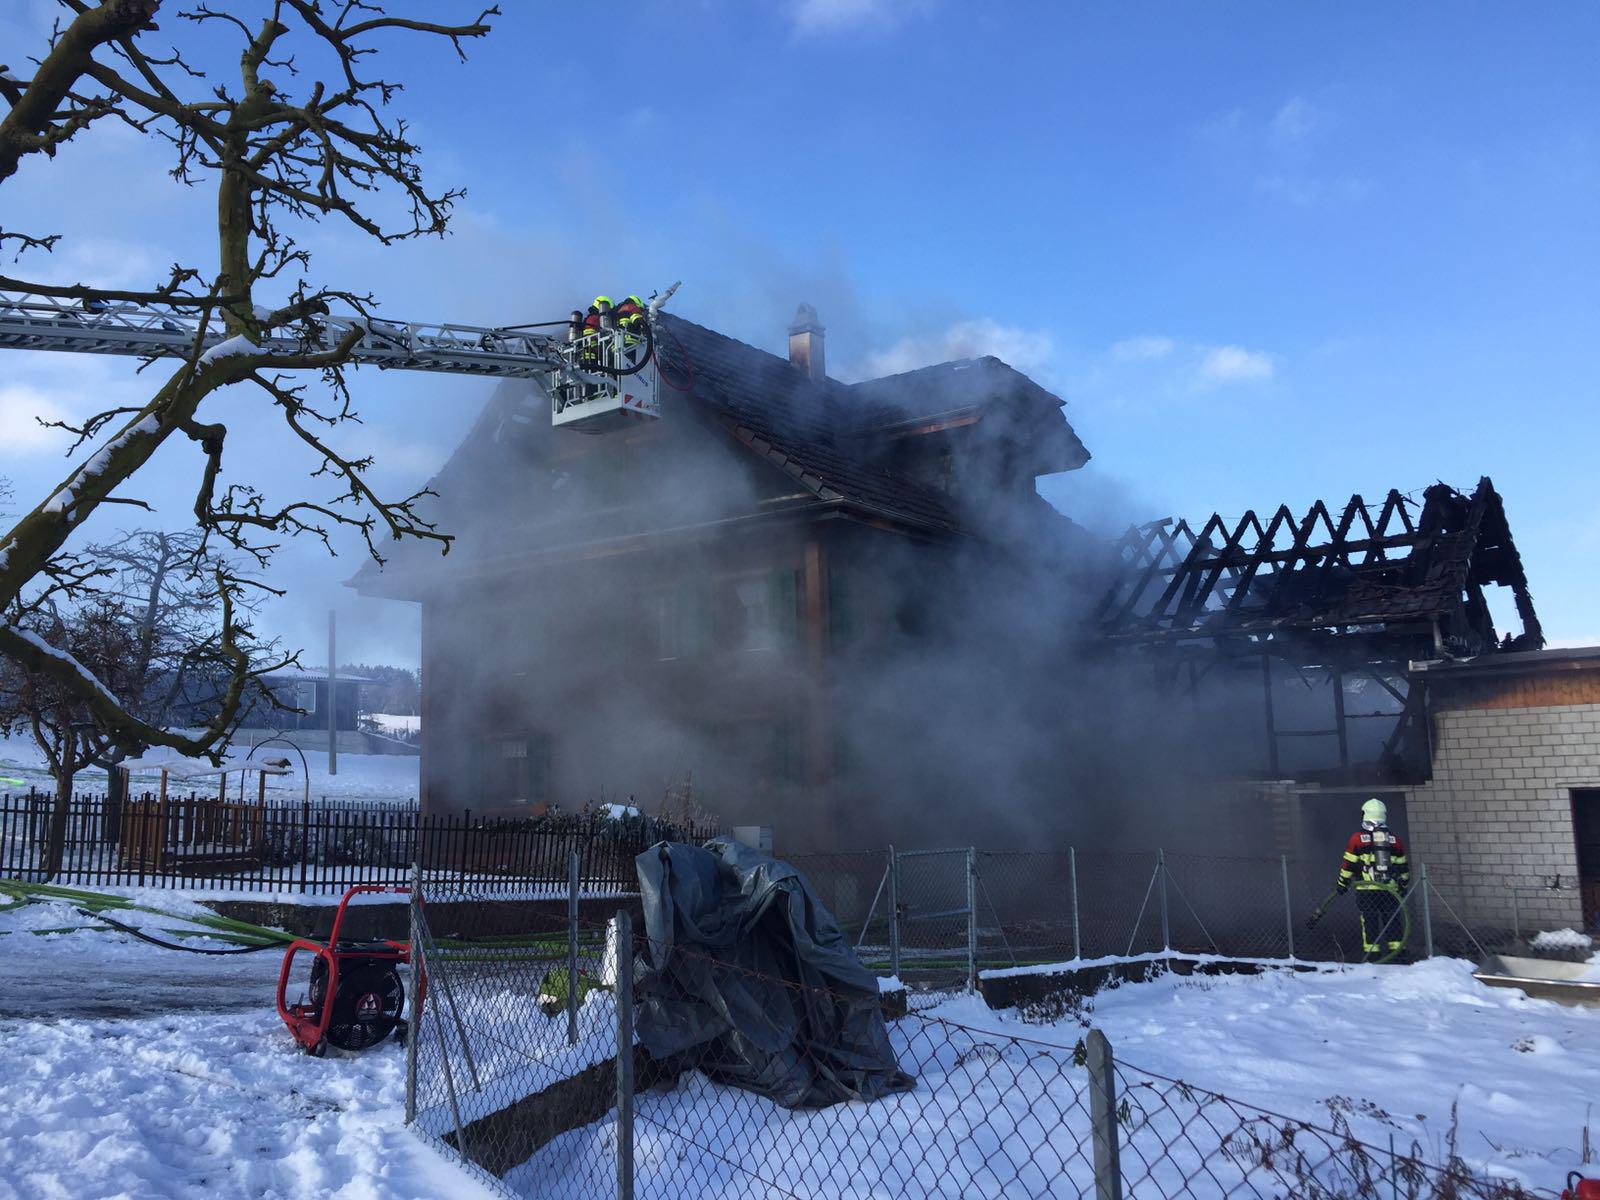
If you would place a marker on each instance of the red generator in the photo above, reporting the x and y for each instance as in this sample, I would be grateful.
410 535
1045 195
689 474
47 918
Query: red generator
1579 1188
355 998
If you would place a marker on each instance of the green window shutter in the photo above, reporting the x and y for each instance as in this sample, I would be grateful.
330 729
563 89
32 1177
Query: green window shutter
841 609
783 601
694 618
787 752
539 769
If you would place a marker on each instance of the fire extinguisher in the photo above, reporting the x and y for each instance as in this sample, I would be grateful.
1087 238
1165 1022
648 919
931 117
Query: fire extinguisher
1579 1188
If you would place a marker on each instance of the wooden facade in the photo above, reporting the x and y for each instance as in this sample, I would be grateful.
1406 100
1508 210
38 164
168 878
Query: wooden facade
634 611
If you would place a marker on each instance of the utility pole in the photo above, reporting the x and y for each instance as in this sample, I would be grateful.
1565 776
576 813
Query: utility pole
333 710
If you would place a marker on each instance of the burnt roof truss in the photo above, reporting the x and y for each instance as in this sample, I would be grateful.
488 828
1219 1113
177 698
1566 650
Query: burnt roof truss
1408 578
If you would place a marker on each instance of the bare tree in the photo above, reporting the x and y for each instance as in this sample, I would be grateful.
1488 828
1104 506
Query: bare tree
301 134
99 635
164 582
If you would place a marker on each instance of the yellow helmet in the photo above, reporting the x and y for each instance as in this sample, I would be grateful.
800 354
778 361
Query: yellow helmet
599 300
635 301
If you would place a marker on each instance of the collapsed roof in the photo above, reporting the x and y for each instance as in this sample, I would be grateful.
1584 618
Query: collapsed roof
1408 583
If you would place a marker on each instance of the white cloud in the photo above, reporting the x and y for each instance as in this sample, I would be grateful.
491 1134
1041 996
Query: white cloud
1296 120
1314 192
817 17
1234 364
1143 348
20 408
1029 351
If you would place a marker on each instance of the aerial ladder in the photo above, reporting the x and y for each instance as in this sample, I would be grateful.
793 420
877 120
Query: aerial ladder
599 376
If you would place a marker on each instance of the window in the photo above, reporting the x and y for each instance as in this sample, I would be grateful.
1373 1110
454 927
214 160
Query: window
305 696
841 608
691 612
514 771
754 630
662 611
788 753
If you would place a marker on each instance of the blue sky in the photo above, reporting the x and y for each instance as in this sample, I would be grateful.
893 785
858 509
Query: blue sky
1266 252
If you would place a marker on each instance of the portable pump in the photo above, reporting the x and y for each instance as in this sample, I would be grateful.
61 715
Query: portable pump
355 998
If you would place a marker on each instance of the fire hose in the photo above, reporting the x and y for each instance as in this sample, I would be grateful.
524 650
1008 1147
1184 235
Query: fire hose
155 941
1401 911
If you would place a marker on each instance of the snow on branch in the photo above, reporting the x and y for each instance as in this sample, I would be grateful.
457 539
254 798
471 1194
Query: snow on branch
45 647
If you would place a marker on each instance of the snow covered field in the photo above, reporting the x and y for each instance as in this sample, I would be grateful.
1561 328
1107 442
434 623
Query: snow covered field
360 777
1390 1050
197 1089
209 1106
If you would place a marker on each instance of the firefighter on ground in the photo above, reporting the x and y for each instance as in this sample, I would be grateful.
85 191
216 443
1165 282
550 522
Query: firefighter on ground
1375 862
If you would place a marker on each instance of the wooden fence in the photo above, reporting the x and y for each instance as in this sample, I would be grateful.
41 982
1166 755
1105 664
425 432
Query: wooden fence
195 841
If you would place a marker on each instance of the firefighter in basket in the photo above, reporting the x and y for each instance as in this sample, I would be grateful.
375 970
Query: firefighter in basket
587 330
1375 862
631 317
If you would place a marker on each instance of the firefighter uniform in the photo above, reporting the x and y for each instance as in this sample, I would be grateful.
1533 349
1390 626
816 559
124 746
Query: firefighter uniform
1375 862
630 314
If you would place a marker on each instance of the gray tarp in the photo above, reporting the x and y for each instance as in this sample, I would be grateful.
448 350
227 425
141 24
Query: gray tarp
752 982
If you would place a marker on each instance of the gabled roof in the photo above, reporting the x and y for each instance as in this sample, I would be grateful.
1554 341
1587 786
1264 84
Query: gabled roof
794 423
832 440
812 429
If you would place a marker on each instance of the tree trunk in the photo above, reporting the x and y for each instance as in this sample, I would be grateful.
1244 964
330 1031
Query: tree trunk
56 851
116 798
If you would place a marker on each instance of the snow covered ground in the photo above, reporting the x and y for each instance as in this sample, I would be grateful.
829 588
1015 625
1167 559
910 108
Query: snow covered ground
1390 1050
175 1078
198 1093
210 1106
397 724
360 777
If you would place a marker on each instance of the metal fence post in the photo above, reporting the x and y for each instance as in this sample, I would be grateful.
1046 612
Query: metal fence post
1288 905
1427 911
624 995
1103 1118
1072 872
894 913
572 949
1161 873
305 840
414 993
972 918
1516 915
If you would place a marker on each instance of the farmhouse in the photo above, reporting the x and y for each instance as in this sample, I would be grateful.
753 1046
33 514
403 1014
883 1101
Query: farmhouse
684 602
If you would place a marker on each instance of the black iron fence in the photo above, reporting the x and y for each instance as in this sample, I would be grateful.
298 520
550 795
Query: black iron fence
201 841
526 1069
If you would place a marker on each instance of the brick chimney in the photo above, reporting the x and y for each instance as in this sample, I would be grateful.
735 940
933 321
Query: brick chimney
805 342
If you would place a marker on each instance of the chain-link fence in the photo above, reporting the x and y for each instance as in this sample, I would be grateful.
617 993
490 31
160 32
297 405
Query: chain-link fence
516 1040
940 917
516 1072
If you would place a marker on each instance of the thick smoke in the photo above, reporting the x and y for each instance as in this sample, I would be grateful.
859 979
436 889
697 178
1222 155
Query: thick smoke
615 620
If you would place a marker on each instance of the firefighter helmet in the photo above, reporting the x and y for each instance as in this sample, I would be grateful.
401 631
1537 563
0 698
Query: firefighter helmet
1374 812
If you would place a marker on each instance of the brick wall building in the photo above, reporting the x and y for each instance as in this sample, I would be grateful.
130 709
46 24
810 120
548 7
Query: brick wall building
1513 805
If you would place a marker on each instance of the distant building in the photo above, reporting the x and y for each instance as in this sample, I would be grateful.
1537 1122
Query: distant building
306 688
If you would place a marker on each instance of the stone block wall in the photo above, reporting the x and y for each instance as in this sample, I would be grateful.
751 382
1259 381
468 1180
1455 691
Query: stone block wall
1497 815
